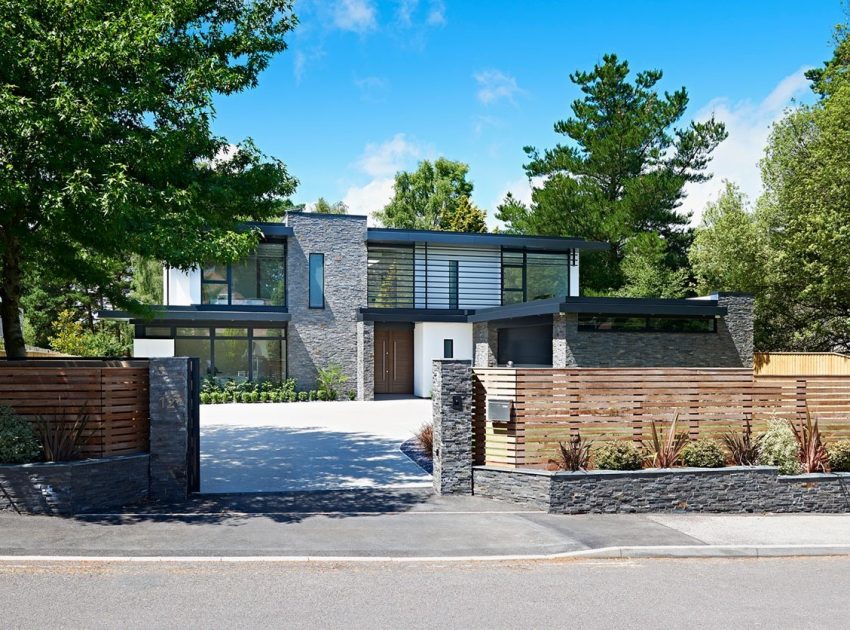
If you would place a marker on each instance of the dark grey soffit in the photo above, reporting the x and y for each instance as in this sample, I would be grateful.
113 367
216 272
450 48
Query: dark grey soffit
602 306
273 229
413 315
392 236
192 315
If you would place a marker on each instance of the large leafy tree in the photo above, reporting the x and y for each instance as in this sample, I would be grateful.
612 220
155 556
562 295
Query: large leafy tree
465 217
429 197
106 148
323 206
621 172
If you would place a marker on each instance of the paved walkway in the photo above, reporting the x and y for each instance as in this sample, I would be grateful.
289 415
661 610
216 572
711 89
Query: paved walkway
404 523
310 446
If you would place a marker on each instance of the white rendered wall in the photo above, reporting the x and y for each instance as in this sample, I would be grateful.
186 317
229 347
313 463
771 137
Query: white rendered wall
574 289
182 288
148 348
428 345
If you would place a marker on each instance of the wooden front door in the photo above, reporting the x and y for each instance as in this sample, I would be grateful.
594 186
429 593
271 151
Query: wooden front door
393 359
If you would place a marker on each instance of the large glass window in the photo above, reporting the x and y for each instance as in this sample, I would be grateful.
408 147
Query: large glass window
640 323
529 276
390 277
235 353
259 280
317 281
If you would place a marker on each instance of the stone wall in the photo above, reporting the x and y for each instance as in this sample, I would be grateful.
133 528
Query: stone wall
170 408
733 489
365 361
484 344
738 323
650 349
319 337
75 487
452 426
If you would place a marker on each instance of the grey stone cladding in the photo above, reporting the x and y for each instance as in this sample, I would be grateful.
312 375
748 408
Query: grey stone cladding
169 420
319 337
365 361
75 487
562 355
734 489
650 349
738 323
485 342
452 427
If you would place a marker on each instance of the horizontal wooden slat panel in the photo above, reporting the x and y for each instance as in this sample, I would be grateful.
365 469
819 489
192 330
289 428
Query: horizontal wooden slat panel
551 405
114 396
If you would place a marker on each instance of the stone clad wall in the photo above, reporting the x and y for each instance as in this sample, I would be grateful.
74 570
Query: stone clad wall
169 435
452 427
738 323
365 361
485 344
75 487
733 489
319 337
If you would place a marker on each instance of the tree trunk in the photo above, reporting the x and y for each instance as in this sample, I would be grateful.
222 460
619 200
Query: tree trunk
10 308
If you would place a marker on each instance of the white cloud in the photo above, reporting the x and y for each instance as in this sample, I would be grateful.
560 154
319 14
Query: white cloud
495 85
404 13
372 89
380 162
358 16
737 157
436 14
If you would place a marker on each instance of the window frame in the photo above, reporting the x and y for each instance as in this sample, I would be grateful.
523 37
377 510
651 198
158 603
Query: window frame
310 280
228 281
647 327
448 348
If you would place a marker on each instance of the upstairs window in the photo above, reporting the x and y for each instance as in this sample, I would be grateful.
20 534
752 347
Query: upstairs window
259 280
390 277
317 281
529 276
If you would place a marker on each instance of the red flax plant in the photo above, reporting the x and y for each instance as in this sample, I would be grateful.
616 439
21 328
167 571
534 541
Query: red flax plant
813 455
574 457
665 449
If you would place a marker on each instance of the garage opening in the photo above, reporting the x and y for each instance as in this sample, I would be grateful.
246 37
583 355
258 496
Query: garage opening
525 346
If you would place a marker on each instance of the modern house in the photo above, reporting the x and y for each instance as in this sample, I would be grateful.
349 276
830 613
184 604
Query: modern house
383 303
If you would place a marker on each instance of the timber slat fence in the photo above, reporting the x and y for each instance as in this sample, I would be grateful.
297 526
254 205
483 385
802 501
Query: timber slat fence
551 405
801 364
114 394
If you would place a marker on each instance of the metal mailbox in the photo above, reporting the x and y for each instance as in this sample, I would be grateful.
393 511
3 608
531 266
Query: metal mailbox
499 409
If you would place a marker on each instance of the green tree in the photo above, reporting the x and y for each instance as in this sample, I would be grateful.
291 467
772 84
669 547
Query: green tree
729 248
147 280
107 339
622 172
106 148
466 217
646 269
325 207
424 197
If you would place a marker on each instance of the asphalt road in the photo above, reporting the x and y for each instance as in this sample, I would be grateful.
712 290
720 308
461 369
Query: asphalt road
739 593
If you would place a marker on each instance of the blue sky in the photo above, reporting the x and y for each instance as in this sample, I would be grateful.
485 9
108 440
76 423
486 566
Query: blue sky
368 88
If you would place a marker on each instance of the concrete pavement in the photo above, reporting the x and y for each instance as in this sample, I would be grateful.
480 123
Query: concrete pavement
406 523
310 446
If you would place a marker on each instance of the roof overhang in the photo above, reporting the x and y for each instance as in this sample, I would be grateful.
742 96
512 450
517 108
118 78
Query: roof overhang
604 306
391 236
413 315
192 315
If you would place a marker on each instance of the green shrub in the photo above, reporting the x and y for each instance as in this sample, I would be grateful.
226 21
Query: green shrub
618 456
322 395
222 398
303 396
331 379
778 447
352 395
255 397
206 398
18 442
245 397
839 456
314 395
292 397
704 454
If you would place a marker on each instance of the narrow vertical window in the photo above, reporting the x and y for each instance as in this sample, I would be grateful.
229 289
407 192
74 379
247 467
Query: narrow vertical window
448 348
453 282
317 281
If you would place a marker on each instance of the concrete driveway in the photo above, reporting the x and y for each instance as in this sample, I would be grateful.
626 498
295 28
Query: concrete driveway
310 446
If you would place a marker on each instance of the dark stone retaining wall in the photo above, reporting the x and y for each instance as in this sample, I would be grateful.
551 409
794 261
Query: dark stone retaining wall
74 487
733 489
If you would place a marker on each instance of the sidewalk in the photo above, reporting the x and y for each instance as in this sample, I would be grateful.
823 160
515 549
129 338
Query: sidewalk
408 524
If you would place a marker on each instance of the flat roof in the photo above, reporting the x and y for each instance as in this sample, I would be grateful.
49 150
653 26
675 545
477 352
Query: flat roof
604 306
549 243
200 315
